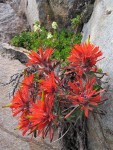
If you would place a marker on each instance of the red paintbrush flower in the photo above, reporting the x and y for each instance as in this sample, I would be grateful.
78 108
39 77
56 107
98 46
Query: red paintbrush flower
49 84
84 57
28 80
22 99
84 95
28 84
21 102
42 118
24 123
40 58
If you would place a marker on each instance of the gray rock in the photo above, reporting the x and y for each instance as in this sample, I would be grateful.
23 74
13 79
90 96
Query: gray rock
10 142
100 28
14 52
64 11
10 23
61 11
2 1
28 9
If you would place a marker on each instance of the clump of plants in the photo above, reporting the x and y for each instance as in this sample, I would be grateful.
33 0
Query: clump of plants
51 95
60 40
60 85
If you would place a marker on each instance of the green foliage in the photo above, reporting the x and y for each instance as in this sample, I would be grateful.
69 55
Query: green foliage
25 40
97 87
76 21
60 40
100 70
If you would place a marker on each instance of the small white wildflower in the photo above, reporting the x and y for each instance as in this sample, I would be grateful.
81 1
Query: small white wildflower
36 28
54 25
49 35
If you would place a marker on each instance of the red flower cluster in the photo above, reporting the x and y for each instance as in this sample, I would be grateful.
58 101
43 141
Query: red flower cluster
45 99
40 58
24 123
49 85
84 95
84 57
22 102
42 118
36 114
22 99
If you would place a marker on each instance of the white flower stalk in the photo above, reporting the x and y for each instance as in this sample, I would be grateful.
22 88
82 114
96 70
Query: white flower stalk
49 35
54 25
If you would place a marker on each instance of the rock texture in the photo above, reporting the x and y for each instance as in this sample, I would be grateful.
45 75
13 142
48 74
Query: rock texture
46 11
35 10
65 10
100 28
10 23
14 52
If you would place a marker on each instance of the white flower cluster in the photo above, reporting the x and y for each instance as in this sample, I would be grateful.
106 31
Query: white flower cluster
54 25
49 36
36 28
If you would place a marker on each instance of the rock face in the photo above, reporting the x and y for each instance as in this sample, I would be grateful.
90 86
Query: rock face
65 10
10 23
35 10
14 52
100 28
61 11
